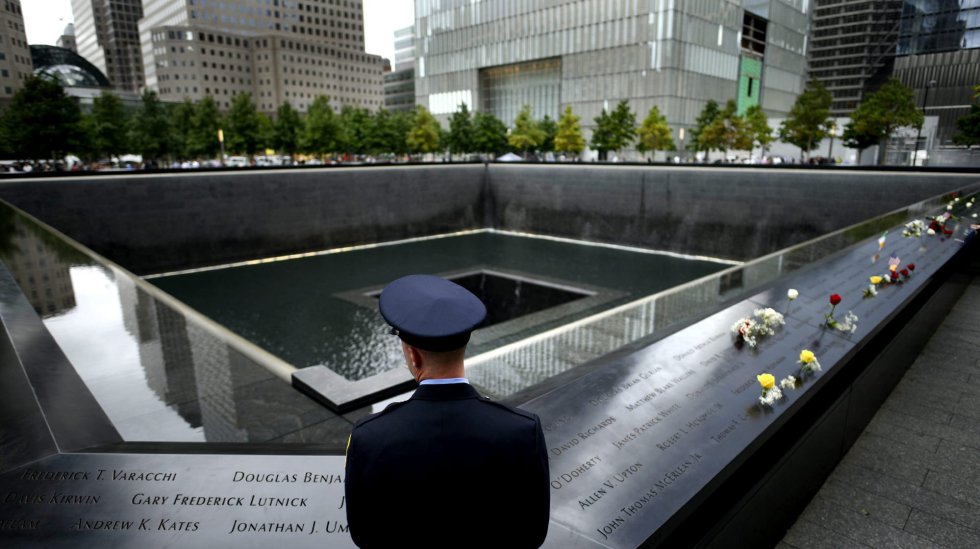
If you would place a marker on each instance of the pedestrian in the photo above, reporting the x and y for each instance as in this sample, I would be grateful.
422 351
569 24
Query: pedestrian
447 467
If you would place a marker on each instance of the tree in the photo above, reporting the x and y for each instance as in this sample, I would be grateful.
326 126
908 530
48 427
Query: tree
203 139
707 116
321 130
808 121
286 130
727 131
614 130
568 138
423 137
969 125
884 111
526 135
489 134
182 121
107 126
460 138
654 133
243 127
969 128
41 121
550 129
757 126
355 125
150 129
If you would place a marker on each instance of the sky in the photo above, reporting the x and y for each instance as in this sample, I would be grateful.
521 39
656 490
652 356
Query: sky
45 20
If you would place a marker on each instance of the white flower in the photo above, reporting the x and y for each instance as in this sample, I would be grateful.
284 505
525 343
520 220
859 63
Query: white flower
788 382
974 215
793 294
931 232
849 324
770 396
949 207
957 199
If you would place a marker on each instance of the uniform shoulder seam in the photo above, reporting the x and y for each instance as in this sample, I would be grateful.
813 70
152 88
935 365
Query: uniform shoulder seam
389 408
518 411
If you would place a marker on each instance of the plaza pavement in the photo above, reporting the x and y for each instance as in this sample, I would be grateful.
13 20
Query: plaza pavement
912 479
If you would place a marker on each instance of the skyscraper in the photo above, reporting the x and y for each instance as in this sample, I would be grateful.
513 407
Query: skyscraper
939 51
279 50
15 56
852 48
400 83
107 36
498 55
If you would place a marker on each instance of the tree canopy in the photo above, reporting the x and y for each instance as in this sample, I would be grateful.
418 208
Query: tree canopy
882 112
423 137
654 133
726 131
42 122
245 131
526 135
460 137
150 130
287 129
758 129
321 129
107 126
489 133
568 138
704 119
808 121
614 130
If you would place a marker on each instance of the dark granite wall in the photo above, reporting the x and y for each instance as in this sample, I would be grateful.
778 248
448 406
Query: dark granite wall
730 213
166 222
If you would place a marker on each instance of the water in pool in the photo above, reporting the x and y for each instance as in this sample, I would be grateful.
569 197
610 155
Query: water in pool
322 309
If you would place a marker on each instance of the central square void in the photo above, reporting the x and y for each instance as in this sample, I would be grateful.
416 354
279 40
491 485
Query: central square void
508 297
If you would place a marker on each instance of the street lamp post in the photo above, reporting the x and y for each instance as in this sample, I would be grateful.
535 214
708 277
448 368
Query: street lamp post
918 133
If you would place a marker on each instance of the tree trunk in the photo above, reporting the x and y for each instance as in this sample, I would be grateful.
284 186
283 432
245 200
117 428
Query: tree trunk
881 151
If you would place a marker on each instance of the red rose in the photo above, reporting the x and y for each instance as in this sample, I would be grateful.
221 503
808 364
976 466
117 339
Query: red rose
894 275
935 226
834 299
905 272
910 266
947 232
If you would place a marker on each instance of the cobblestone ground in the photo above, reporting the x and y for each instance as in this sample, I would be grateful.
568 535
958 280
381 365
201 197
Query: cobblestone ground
913 477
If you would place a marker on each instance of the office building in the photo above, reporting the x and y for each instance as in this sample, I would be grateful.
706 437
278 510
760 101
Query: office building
106 35
283 51
400 83
939 51
15 57
852 48
499 55
67 38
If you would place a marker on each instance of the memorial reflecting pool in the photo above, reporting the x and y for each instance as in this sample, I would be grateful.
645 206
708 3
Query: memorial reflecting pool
323 309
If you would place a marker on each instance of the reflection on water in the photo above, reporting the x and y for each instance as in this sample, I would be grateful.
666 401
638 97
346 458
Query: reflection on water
159 376
307 310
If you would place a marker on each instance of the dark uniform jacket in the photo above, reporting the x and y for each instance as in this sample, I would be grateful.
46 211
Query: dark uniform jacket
448 468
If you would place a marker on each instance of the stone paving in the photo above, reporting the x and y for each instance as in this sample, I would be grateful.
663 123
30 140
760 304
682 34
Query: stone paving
913 477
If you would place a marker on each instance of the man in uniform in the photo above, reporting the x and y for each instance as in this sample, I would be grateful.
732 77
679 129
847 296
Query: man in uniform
446 468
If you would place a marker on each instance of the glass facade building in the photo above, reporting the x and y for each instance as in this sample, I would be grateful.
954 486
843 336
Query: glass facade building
590 54
939 50
852 48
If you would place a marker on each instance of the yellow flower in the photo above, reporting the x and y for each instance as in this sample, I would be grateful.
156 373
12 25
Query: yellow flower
875 280
806 356
768 381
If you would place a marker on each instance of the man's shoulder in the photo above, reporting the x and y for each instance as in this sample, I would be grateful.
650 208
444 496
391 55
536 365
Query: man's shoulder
516 411
379 415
